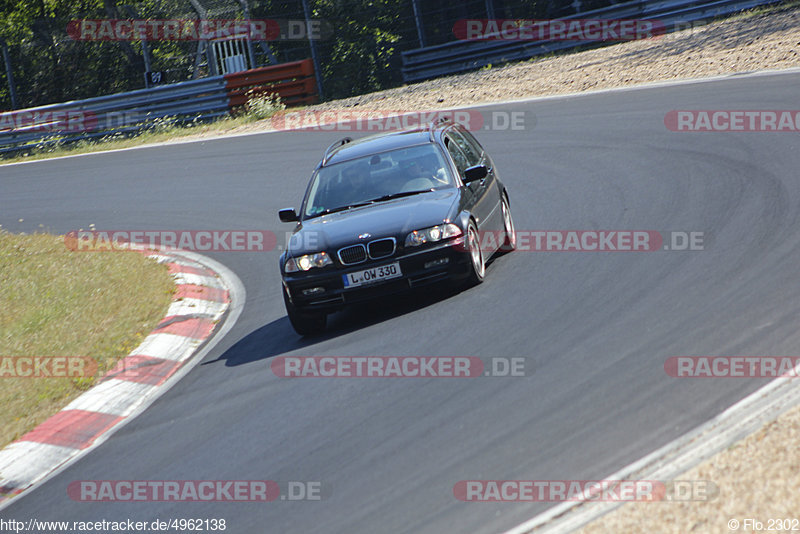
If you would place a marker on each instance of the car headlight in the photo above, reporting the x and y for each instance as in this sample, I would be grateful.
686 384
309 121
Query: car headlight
308 261
432 234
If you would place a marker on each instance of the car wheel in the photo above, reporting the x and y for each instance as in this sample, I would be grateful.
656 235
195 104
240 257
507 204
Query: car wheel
510 241
477 265
305 324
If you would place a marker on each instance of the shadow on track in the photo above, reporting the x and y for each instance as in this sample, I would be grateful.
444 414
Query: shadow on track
278 337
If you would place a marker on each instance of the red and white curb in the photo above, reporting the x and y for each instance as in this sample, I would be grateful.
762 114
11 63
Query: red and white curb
205 291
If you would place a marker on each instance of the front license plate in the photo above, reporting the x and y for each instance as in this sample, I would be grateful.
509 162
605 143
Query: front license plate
367 276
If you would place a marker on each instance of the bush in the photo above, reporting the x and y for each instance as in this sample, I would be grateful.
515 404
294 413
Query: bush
262 105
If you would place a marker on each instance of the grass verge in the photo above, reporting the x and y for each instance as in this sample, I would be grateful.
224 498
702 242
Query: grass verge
56 302
258 107
758 480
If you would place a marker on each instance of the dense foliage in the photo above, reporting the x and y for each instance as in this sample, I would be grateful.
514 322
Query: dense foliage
362 53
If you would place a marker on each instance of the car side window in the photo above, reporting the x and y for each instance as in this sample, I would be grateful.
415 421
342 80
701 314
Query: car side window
460 159
474 142
472 153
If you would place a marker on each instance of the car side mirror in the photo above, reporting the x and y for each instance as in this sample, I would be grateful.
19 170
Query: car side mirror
288 215
474 173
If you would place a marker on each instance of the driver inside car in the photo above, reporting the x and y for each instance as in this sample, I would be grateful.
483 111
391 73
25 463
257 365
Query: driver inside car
356 178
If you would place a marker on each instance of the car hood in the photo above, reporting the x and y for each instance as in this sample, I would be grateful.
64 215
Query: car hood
394 218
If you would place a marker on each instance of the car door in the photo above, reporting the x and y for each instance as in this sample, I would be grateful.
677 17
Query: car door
485 192
468 194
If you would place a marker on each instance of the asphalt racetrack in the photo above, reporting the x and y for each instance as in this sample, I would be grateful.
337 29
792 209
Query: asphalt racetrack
595 328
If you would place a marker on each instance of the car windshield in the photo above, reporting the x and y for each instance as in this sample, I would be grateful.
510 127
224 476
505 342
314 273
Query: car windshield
376 178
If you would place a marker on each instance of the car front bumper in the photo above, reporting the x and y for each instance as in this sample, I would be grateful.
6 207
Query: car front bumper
440 263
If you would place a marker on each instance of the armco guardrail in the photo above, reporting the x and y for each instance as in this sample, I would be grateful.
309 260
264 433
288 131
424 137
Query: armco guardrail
293 82
118 114
461 56
108 115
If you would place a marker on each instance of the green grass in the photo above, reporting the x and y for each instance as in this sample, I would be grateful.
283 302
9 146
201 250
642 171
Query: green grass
763 10
56 302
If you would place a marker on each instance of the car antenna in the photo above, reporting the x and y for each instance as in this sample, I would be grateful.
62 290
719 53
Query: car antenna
334 146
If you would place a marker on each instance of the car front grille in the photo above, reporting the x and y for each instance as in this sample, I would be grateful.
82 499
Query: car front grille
377 249
381 248
353 254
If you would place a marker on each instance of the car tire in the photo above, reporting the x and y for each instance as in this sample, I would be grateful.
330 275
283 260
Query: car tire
305 324
477 265
510 239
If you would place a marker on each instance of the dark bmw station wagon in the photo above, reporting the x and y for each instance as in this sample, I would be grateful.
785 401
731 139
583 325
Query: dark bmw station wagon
388 213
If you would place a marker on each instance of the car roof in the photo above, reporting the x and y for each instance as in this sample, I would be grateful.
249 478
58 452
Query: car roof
382 142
